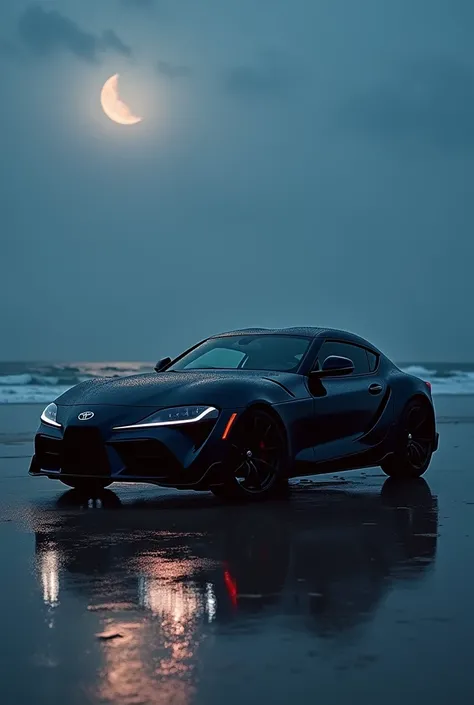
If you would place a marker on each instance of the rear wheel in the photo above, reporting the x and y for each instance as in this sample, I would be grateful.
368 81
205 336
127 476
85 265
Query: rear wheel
259 458
86 485
414 444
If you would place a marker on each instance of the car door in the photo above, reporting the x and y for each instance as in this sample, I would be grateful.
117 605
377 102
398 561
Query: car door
344 407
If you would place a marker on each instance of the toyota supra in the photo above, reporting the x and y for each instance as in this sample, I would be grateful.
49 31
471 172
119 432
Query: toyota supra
241 413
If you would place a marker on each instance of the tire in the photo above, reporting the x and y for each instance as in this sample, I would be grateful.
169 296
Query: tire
414 444
86 485
257 470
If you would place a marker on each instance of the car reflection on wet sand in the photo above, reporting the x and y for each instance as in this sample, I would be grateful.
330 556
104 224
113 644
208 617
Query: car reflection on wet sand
163 575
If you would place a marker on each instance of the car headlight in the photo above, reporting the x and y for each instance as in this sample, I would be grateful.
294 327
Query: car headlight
174 416
49 415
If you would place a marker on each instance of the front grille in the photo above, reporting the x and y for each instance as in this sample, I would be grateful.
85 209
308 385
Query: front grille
84 452
147 458
48 452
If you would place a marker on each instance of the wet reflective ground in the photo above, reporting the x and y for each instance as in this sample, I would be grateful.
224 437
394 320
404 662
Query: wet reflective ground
350 590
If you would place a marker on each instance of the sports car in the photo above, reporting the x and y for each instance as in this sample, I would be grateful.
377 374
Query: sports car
239 414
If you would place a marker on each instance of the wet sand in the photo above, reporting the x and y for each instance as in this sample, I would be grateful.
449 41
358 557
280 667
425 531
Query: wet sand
351 590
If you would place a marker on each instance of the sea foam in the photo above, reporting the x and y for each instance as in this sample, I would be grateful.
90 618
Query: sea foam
41 384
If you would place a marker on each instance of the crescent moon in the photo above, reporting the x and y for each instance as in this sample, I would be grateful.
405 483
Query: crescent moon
113 107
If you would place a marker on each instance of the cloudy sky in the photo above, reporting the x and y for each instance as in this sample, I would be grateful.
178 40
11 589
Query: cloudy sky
304 162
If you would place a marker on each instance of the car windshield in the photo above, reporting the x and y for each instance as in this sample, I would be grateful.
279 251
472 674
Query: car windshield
246 352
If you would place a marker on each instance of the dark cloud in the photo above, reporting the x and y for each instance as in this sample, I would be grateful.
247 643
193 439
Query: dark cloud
47 31
253 80
271 74
429 102
111 41
169 70
249 80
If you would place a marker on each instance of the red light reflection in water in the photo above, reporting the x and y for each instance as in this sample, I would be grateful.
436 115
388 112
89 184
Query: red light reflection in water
231 586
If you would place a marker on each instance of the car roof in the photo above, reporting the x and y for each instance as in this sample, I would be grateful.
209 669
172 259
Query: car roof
307 332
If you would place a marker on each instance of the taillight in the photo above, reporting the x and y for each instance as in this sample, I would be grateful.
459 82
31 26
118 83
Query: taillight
428 384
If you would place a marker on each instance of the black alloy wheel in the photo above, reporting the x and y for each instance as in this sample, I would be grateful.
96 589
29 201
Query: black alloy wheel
415 442
259 457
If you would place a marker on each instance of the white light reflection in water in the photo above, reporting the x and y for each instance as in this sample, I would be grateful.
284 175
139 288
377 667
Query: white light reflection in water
211 602
155 660
176 601
49 570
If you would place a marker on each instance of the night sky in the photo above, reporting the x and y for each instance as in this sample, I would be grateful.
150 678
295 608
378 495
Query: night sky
299 163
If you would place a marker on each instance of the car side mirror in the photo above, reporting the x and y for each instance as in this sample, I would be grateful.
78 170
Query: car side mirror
334 366
161 364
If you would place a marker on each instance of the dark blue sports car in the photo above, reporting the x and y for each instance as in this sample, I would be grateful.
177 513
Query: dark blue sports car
239 414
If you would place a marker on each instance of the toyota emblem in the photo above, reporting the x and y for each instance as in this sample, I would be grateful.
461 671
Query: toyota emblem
85 415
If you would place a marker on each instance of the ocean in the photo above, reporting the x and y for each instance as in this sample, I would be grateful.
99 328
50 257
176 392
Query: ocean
39 382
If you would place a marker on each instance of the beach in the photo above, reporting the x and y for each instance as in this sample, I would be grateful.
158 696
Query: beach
350 590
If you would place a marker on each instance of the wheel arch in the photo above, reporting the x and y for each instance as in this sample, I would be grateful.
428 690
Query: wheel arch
405 388
425 399
269 409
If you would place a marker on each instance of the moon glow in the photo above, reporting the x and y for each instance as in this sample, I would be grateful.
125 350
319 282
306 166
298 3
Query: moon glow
113 107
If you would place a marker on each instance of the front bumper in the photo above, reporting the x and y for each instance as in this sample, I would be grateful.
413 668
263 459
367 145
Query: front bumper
190 457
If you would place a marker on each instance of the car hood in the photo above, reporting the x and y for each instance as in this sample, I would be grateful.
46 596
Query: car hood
225 389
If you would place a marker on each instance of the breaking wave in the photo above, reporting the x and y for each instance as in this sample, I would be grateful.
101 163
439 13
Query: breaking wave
26 383
29 383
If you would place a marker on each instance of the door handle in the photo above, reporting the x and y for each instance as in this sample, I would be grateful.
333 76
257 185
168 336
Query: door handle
375 388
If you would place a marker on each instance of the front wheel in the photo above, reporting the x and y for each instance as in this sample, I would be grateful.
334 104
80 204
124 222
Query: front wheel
259 459
415 442
86 485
